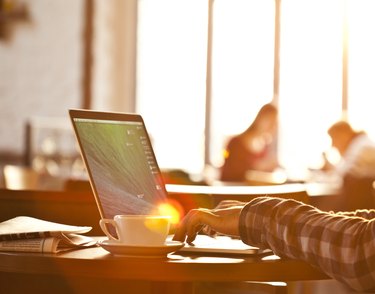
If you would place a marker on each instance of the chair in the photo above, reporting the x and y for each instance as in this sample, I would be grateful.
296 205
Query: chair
357 193
20 178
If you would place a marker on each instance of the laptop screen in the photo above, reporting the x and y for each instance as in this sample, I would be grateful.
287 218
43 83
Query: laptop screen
120 161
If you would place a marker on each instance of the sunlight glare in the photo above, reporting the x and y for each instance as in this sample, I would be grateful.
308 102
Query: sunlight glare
361 64
310 79
173 210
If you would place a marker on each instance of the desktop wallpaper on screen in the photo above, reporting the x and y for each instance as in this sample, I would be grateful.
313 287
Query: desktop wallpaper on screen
122 165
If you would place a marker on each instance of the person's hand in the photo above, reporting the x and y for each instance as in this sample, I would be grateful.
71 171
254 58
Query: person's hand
224 204
225 221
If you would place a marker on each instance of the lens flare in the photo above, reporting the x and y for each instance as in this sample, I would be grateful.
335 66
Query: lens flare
173 209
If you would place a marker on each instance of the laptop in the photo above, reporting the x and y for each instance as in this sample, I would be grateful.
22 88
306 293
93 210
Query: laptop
125 176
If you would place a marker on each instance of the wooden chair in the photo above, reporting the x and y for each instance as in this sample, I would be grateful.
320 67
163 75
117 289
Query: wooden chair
356 193
20 177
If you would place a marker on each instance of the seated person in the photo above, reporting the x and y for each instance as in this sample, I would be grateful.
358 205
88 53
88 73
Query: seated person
356 149
253 149
339 244
355 171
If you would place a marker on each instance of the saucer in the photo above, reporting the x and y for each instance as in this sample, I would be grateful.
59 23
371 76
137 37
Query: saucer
117 248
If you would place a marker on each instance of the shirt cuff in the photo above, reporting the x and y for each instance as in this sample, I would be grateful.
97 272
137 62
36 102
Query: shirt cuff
253 221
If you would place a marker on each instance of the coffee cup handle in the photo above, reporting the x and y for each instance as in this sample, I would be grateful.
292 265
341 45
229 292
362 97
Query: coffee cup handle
103 224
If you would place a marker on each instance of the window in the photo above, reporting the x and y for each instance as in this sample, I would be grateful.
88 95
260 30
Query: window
361 64
311 57
172 67
326 70
171 76
242 67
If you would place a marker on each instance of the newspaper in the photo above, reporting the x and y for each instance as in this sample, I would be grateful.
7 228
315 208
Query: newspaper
28 234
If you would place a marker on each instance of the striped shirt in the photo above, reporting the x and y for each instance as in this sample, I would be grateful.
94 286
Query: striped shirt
342 245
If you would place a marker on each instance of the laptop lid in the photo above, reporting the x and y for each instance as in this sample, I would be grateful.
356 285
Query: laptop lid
124 174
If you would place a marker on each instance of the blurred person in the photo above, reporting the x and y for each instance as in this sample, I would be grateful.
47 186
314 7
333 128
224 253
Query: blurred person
356 149
354 173
339 244
253 149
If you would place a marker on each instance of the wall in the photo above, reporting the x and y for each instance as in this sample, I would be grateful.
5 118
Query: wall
114 50
40 68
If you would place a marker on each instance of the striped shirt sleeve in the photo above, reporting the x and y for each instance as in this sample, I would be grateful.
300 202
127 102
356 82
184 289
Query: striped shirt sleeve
341 245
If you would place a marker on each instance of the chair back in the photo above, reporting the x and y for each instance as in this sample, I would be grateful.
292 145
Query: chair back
20 178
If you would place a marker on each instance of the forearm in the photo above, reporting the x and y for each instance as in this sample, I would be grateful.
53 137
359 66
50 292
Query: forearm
343 247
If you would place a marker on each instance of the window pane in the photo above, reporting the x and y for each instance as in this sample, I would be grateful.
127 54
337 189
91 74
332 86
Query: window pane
242 70
361 64
310 78
171 67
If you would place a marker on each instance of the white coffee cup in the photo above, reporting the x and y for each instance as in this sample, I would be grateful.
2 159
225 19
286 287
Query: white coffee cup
138 230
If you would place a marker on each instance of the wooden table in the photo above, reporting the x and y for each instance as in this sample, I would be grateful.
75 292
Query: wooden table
94 270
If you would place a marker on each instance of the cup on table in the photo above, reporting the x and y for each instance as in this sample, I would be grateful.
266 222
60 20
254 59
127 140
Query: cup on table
138 230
